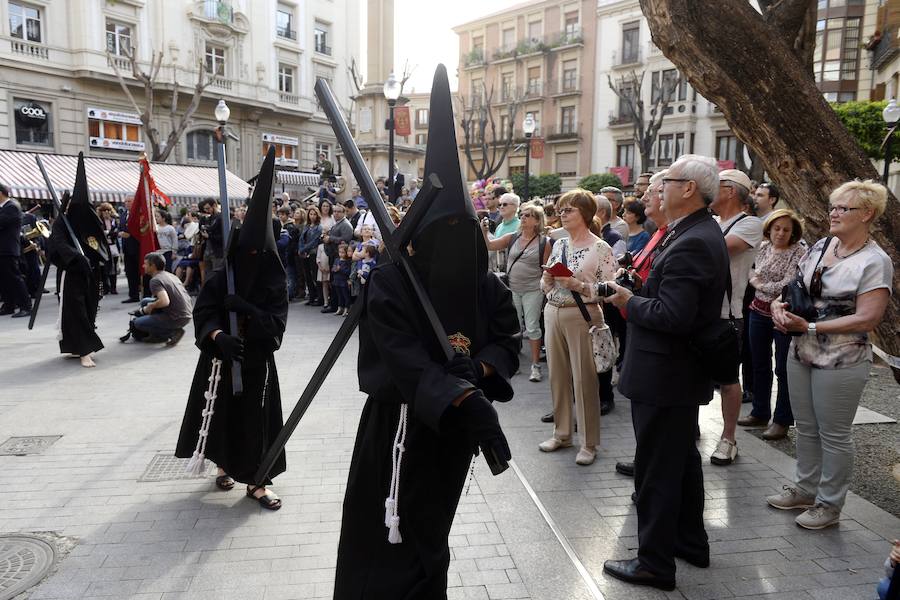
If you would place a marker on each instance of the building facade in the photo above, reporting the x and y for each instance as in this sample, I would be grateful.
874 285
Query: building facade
59 91
538 57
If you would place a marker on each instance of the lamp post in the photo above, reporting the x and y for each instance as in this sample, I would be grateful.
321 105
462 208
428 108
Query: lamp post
391 93
222 113
528 126
890 114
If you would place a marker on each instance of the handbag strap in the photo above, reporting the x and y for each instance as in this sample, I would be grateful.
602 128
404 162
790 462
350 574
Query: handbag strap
519 255
578 301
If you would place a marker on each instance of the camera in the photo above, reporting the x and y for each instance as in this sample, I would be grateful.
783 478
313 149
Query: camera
137 313
604 290
626 279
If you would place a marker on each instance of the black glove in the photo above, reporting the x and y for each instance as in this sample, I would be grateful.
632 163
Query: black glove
484 428
465 367
231 347
234 303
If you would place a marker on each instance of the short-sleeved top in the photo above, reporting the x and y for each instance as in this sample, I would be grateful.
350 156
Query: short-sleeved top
505 227
179 309
525 273
590 265
637 242
750 230
168 238
867 270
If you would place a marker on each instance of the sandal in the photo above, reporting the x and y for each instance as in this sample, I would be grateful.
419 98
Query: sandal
224 482
269 500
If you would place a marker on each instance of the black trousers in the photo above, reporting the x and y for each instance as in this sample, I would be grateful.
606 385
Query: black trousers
310 268
132 265
12 284
669 483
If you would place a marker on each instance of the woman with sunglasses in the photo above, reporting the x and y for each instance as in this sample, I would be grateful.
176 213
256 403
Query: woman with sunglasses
829 359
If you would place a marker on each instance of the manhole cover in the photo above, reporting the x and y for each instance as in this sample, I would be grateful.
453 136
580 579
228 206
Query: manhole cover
24 561
20 446
165 467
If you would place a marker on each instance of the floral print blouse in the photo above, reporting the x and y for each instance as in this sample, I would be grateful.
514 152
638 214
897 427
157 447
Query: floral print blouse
591 265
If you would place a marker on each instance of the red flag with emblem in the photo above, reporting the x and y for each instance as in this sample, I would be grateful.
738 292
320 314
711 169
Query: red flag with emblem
141 222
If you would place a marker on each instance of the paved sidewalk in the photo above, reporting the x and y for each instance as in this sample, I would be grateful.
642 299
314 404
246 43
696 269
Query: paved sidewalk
181 539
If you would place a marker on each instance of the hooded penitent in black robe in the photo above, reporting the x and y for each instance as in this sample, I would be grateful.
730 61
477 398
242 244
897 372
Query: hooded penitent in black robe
401 362
77 282
243 427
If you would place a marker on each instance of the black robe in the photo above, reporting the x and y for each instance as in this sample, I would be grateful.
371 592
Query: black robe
76 276
399 361
242 428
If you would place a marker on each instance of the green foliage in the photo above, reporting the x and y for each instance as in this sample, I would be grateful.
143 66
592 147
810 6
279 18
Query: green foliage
538 185
864 122
596 181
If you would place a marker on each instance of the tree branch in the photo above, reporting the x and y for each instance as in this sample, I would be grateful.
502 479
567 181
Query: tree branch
787 16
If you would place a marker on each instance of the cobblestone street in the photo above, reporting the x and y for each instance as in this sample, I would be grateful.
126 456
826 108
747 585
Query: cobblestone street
129 531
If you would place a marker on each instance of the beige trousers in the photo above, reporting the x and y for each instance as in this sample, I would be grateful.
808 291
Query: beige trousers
573 376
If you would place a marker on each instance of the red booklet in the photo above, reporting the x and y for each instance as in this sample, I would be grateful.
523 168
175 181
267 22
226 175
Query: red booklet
558 270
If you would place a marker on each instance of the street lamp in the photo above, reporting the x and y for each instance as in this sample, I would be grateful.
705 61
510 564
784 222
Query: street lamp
890 114
528 126
391 93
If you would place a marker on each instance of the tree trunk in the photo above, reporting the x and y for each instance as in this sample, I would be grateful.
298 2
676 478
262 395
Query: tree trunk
749 69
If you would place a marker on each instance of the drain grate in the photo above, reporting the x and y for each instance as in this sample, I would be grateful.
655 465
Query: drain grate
21 446
24 561
165 467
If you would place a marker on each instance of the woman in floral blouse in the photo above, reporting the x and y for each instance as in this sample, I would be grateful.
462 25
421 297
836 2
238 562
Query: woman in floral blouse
776 265
569 351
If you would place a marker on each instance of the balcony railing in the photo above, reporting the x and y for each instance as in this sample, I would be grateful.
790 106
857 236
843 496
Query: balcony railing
323 49
568 38
616 118
286 33
30 49
565 131
286 98
475 58
121 63
217 10
566 85
221 83
623 59
886 49
533 89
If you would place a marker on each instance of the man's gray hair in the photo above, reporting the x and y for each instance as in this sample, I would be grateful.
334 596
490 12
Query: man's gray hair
702 170
611 189
604 205
658 176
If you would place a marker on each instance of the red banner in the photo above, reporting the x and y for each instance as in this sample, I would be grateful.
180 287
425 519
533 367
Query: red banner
623 173
402 125
537 147
141 221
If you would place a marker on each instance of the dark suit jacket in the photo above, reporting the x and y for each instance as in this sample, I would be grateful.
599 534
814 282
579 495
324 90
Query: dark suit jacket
130 245
10 228
682 294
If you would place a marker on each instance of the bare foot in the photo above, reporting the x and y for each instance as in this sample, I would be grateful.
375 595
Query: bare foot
87 362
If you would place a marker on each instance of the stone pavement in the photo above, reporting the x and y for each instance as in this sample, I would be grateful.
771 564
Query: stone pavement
180 539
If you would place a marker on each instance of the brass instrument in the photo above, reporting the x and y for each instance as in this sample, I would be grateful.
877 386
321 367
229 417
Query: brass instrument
29 234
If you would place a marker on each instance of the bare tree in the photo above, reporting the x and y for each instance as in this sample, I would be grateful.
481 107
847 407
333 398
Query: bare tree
482 133
644 127
150 80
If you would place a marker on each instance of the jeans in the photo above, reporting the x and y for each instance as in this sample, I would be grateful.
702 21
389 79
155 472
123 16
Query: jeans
155 324
824 403
762 334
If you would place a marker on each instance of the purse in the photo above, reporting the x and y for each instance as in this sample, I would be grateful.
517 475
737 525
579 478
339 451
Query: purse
798 298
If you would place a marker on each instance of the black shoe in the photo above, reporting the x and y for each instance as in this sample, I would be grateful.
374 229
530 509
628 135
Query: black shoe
625 468
632 571
21 313
45 291
316 303
125 337
7 310
548 418
176 337
114 292
130 300
328 309
701 561
607 406
747 397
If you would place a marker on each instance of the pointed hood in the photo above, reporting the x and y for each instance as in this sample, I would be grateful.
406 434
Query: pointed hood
253 252
84 219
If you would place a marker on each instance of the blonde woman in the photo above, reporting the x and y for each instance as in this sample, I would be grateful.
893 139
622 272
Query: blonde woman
573 376
829 359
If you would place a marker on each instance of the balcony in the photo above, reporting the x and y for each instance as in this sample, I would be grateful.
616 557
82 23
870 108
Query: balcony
285 33
30 49
217 10
220 83
620 60
567 86
287 98
121 63
885 50
473 59
323 49
570 37
620 118
565 131
534 89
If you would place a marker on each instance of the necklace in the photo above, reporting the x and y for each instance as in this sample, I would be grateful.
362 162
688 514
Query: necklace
838 256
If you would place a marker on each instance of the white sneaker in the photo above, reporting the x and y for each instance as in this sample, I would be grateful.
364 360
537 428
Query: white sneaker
535 373
725 453
819 516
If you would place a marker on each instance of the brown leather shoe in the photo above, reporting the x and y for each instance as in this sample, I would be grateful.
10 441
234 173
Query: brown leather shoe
751 421
775 432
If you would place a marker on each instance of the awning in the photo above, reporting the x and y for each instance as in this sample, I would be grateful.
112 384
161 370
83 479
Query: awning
297 178
110 180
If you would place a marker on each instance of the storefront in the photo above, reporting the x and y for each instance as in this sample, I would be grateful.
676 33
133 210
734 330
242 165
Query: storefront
34 124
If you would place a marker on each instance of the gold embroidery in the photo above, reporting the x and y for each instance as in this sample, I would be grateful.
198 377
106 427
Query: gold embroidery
460 343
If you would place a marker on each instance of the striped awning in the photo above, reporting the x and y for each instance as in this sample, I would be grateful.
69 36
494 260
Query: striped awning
110 180
297 178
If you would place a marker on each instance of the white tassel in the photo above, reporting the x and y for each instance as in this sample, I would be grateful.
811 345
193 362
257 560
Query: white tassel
394 532
391 504
197 464
388 510
62 287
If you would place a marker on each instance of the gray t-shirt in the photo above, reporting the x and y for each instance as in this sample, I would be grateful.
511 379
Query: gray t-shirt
525 274
750 230
168 238
179 309
867 270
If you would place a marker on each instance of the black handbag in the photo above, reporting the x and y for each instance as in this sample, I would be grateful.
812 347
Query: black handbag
798 298
718 345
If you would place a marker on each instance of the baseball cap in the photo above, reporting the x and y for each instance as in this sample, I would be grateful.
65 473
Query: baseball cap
735 176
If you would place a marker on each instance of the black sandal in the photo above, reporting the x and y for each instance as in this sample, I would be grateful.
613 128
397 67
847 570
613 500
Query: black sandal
224 483
271 502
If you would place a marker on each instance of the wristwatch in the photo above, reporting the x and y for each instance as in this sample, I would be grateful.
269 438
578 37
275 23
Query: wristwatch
811 328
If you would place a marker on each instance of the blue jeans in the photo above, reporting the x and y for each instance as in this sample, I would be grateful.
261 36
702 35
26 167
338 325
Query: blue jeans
762 334
155 325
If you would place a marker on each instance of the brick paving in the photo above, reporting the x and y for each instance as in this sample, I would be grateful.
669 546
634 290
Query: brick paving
184 540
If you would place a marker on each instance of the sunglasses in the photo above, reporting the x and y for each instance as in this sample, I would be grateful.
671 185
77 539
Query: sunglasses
523 215
504 204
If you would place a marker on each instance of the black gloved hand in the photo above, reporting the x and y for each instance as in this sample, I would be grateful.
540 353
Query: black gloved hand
484 428
465 367
234 303
231 347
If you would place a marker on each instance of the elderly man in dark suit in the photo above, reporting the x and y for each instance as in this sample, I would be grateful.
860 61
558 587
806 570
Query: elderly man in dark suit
682 295
131 254
12 285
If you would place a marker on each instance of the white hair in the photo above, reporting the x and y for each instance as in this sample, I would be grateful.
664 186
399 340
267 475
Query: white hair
658 176
511 198
702 170
603 204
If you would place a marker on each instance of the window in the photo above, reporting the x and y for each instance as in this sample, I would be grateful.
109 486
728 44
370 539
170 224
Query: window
215 60
516 170
478 44
726 146
321 35
626 93
664 80
837 52
323 148
284 22
421 139
504 127
118 38
421 117
25 22
506 86
569 75
200 145
534 81
534 31
114 130
630 42
665 149
567 164
625 154
33 124
570 25
477 92
567 119
285 78
679 145
509 38
285 154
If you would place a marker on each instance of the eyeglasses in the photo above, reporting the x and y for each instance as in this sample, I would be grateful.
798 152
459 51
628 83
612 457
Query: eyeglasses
566 210
673 179
505 204
841 210
529 215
